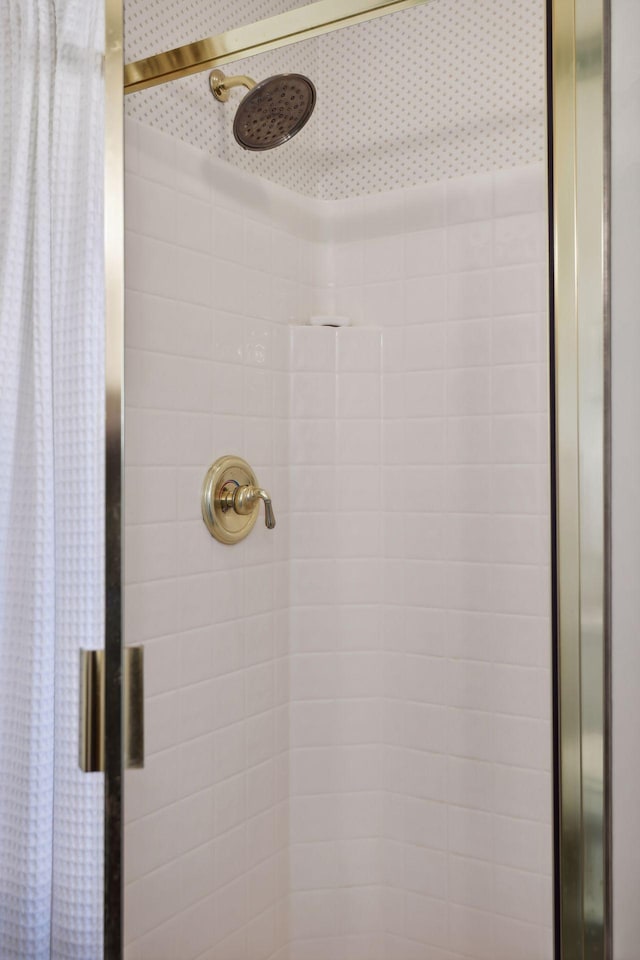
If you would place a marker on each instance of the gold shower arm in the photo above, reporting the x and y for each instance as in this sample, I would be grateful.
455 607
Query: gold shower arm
221 84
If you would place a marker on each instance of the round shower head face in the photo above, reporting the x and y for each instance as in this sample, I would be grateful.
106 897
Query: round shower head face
274 111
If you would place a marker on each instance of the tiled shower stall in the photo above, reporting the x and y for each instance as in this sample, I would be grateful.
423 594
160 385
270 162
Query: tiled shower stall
348 718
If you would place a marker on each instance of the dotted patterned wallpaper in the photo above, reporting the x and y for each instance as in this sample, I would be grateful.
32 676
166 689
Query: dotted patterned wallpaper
447 89
451 88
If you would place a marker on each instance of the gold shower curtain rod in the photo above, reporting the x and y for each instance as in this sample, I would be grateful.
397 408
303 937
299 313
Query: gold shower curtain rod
314 19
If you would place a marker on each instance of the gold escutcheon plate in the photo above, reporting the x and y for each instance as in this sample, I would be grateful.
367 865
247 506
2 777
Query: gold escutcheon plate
226 525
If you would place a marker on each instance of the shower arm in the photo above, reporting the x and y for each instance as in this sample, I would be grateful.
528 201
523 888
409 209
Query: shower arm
221 85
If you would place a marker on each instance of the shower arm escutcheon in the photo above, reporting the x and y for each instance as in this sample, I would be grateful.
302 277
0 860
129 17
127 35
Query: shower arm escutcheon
231 497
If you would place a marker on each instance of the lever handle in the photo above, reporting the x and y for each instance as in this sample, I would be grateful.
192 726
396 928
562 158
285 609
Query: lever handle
269 515
243 500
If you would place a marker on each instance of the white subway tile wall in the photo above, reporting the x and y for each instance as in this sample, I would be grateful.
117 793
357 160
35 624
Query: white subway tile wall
420 625
348 719
212 285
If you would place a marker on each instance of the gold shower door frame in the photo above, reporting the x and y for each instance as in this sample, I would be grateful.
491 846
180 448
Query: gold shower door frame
113 698
578 112
579 137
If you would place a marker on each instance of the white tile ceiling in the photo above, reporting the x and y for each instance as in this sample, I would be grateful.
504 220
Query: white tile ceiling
443 90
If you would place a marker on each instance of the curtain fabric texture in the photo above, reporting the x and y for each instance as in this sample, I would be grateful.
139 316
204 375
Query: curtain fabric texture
51 471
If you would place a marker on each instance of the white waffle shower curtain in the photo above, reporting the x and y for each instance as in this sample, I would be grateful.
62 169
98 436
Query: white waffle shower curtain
51 476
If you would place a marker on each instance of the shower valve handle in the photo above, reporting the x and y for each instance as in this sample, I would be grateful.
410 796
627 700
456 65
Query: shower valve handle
231 498
243 500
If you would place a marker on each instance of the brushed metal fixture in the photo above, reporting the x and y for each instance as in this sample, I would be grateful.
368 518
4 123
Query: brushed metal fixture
91 757
221 85
231 499
273 111
133 695
92 709
113 214
580 362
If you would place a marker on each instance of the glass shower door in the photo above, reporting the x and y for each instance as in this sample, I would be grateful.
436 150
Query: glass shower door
348 716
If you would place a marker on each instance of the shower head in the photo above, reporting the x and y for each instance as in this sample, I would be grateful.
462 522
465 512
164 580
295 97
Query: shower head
272 112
